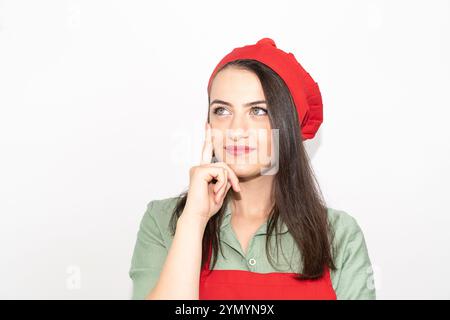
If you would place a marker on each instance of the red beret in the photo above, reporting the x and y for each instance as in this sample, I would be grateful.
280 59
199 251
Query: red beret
304 90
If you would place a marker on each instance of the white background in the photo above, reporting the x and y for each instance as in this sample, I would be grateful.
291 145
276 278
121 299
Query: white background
102 106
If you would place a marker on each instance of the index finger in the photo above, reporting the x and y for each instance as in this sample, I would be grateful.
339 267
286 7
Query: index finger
207 146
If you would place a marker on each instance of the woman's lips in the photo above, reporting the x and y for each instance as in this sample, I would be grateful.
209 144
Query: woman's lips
237 150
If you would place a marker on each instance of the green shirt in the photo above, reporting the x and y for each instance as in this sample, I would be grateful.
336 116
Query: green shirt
353 278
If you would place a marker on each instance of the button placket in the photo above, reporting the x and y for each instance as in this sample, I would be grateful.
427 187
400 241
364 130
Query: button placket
251 255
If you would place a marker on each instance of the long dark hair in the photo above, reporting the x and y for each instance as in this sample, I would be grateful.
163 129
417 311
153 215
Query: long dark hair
298 199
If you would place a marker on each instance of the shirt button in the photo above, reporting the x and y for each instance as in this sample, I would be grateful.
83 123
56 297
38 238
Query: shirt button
252 262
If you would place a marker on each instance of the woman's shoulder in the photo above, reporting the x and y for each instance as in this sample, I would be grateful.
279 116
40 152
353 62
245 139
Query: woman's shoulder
160 207
353 278
345 225
159 211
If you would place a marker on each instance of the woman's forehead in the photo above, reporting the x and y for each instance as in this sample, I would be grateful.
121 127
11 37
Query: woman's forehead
236 86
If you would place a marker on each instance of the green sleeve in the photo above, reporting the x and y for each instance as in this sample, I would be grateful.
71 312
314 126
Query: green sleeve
354 278
149 253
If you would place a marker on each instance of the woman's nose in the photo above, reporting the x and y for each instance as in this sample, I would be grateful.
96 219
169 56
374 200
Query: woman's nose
237 129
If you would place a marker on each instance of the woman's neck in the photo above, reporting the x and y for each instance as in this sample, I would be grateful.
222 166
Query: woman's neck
254 202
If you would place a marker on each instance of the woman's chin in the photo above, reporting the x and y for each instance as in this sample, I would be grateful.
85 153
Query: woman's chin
243 170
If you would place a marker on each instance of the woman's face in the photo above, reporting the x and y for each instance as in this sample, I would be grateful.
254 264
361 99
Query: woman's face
239 118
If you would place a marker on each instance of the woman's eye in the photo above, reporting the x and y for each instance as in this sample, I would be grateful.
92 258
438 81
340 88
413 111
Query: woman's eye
261 110
218 110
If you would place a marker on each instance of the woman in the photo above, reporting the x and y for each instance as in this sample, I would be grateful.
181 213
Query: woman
253 194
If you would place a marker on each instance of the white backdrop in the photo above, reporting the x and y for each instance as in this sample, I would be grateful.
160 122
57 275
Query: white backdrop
103 105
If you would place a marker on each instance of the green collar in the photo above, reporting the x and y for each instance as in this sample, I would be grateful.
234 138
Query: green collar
262 229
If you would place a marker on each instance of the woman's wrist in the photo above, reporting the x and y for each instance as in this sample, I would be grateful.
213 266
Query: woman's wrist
193 220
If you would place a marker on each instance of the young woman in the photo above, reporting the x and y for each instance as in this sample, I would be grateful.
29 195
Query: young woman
253 198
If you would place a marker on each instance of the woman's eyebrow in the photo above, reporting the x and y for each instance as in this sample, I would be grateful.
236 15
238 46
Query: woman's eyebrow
248 104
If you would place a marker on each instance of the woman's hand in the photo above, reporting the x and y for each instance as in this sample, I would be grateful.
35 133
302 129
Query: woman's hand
209 183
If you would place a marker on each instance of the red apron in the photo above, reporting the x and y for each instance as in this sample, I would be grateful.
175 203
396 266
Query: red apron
247 285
